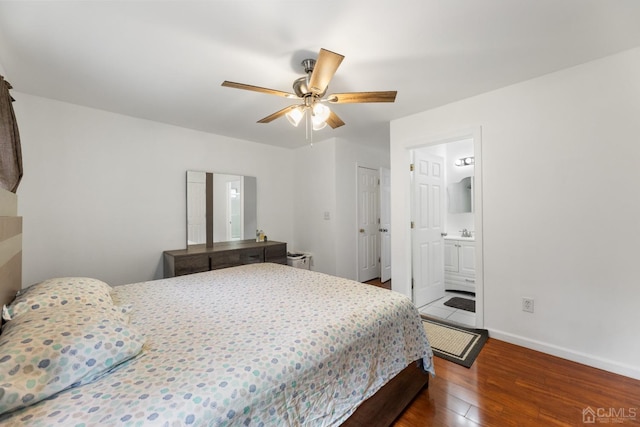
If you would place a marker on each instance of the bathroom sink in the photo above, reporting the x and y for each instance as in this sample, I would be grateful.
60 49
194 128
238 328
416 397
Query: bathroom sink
458 237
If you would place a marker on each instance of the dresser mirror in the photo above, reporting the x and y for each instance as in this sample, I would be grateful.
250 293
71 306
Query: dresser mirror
220 207
461 196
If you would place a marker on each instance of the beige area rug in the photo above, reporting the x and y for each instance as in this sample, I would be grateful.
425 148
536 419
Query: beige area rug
453 342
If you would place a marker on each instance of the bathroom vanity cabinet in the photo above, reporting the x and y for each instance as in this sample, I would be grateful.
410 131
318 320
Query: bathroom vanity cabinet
459 264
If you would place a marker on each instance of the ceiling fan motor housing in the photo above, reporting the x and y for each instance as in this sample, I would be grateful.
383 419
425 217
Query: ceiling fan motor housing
308 65
301 85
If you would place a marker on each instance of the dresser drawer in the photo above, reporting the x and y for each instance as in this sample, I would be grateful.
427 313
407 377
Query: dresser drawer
276 253
251 256
191 264
236 257
225 259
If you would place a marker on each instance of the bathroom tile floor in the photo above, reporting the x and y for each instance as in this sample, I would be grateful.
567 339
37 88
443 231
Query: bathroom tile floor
438 309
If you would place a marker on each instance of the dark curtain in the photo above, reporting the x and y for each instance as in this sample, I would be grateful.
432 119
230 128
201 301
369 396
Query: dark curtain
10 152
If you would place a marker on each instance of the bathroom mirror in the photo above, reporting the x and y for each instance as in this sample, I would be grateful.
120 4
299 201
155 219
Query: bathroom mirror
220 207
461 195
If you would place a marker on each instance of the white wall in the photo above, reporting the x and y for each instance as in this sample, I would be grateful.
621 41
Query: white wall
104 194
314 194
326 181
561 215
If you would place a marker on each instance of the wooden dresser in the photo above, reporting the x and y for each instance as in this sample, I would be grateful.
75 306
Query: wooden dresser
199 258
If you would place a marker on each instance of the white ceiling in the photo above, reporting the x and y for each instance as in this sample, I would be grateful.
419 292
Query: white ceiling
165 60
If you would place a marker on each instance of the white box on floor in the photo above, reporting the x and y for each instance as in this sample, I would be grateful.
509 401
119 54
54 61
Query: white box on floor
299 260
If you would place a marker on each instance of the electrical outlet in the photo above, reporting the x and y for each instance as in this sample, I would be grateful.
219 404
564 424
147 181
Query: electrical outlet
527 305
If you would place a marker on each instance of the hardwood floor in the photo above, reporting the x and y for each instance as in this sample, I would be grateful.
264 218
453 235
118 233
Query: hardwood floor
380 284
510 385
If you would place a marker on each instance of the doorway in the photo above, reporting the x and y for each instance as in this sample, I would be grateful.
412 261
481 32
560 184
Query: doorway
368 211
446 234
374 224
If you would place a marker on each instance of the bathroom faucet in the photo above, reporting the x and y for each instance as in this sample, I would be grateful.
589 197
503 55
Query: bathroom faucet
465 233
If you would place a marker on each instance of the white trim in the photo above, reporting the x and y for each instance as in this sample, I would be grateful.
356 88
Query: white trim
565 353
479 225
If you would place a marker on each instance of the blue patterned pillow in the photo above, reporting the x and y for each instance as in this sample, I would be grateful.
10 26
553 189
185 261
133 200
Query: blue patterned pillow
48 350
60 292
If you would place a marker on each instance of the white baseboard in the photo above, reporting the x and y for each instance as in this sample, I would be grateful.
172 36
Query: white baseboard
565 353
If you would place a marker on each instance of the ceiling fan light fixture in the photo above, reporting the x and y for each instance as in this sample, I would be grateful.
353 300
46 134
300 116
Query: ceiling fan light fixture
318 125
319 115
311 90
321 112
295 116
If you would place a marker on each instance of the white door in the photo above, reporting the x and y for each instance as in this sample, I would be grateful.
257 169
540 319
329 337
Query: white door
385 224
427 240
368 208
234 210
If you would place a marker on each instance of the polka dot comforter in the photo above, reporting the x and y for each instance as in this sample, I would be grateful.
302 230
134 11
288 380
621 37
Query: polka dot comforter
256 345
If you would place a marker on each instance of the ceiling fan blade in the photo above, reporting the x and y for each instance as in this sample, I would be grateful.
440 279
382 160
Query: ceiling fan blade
326 66
258 89
277 114
334 121
357 97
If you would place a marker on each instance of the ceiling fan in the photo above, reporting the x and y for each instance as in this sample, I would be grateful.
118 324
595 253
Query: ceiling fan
311 90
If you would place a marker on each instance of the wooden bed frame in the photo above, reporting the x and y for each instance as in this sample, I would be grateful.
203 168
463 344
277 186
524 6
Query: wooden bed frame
379 410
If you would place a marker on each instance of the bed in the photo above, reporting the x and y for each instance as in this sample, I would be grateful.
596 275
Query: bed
261 344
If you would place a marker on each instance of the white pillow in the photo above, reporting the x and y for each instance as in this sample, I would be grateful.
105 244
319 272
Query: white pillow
59 292
45 351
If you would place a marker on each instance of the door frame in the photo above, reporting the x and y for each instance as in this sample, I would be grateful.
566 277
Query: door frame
384 204
452 136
